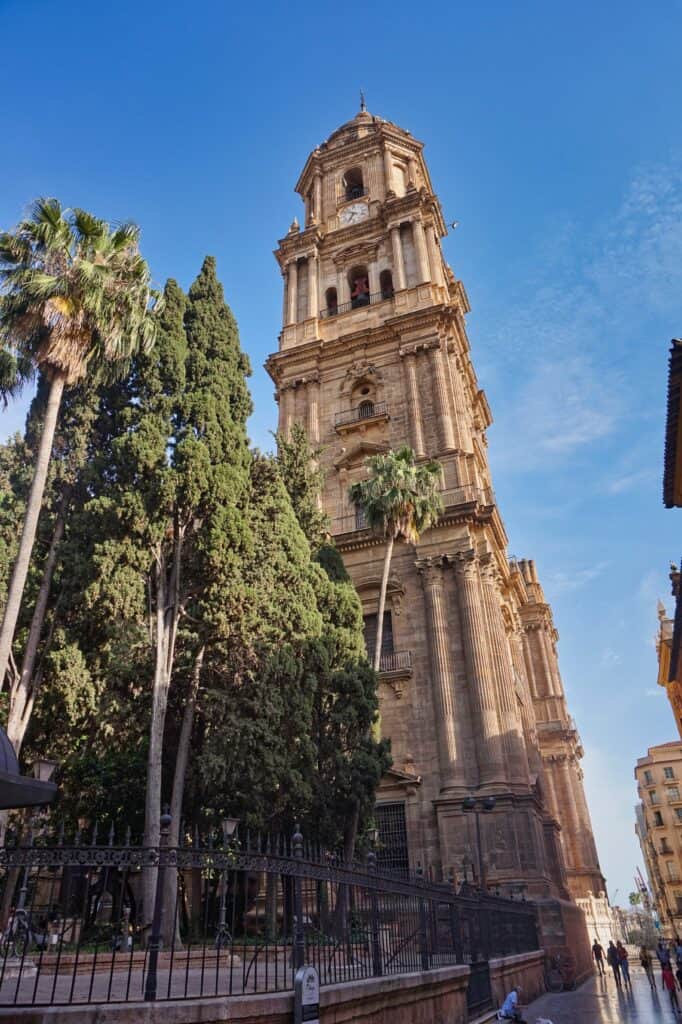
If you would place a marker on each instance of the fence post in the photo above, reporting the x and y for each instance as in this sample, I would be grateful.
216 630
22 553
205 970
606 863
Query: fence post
155 939
299 936
377 965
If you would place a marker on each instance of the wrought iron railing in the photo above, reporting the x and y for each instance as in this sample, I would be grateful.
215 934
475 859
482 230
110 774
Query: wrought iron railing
392 661
230 918
364 411
355 192
451 498
359 303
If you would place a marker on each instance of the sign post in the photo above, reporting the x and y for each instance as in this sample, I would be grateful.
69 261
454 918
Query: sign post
306 996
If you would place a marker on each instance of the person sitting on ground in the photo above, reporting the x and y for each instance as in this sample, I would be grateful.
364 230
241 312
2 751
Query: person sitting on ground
511 1009
598 956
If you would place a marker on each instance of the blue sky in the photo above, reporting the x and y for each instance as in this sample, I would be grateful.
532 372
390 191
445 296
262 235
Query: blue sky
553 134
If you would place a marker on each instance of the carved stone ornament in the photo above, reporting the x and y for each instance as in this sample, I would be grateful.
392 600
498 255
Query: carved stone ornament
360 371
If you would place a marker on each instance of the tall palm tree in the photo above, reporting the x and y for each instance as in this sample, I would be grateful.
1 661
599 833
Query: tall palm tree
400 500
75 298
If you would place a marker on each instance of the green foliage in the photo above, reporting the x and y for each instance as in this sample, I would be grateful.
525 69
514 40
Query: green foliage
400 498
298 463
75 291
286 697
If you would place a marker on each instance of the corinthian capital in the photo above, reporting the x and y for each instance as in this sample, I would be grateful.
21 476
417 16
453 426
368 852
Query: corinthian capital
466 564
431 571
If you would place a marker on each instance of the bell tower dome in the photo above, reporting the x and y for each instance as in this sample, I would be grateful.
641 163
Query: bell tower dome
373 355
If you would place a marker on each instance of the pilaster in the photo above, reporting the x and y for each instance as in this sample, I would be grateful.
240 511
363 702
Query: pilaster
409 358
476 646
449 740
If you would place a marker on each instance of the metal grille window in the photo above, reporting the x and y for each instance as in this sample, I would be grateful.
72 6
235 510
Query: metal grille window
669 773
370 630
392 851
673 793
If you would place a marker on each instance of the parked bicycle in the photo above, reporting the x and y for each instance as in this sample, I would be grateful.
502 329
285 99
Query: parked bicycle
19 936
560 974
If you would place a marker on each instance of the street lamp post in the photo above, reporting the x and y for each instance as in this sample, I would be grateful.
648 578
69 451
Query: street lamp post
223 934
487 804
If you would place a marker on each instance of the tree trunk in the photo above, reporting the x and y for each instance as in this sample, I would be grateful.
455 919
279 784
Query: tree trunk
179 776
22 695
382 602
167 618
28 533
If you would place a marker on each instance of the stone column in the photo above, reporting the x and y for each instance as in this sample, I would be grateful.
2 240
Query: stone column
308 210
553 803
527 714
342 286
411 172
422 255
589 847
569 812
442 399
388 172
313 275
500 658
317 197
449 741
414 405
313 411
292 289
285 299
398 262
482 690
528 659
373 272
435 258
286 410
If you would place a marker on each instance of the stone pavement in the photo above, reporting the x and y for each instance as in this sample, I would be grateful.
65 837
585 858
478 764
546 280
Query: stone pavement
598 1001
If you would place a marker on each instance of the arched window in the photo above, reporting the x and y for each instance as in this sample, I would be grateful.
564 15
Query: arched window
386 284
331 302
358 279
366 409
353 183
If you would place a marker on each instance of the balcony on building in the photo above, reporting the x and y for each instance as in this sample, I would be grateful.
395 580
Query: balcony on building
392 662
364 414
453 498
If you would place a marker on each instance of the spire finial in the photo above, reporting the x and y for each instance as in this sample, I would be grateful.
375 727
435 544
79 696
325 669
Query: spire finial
363 105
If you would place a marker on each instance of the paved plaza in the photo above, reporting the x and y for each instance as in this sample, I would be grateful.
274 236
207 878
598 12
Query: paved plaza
598 1001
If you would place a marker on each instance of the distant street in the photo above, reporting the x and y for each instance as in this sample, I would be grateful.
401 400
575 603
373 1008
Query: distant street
600 1002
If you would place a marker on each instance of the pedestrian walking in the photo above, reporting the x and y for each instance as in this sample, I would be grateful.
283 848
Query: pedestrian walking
648 965
613 962
623 963
670 984
598 956
662 954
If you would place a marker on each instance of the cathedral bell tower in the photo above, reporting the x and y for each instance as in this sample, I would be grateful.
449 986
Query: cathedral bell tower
373 354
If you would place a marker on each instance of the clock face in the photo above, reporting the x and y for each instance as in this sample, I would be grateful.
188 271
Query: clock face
354 213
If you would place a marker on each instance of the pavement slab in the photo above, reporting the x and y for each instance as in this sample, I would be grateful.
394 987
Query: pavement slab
599 1001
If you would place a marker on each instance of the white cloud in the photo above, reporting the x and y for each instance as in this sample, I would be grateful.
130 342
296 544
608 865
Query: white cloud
571 329
654 691
574 579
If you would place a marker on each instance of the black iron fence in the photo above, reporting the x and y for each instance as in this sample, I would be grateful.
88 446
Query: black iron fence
227 918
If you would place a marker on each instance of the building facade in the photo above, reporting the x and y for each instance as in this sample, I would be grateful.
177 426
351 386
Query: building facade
658 825
667 651
373 354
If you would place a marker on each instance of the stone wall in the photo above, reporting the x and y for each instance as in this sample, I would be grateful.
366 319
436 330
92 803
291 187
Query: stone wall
524 969
429 997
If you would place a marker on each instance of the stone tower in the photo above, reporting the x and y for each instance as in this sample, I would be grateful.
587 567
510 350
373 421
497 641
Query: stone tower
373 354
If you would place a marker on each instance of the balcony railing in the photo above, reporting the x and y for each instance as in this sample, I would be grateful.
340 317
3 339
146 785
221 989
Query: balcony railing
393 661
355 192
365 300
466 494
365 411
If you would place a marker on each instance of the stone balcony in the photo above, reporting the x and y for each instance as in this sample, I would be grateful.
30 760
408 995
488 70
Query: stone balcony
453 498
351 318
